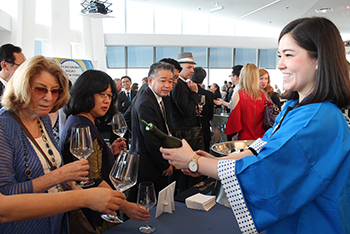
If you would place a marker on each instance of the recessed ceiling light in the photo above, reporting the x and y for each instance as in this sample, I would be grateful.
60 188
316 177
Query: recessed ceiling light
323 10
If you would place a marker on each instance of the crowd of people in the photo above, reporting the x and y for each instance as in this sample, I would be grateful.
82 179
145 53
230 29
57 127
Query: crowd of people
294 173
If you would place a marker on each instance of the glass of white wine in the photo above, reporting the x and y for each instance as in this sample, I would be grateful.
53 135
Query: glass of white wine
119 125
146 198
123 176
81 147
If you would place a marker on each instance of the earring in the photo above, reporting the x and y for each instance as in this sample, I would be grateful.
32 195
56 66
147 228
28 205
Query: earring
316 67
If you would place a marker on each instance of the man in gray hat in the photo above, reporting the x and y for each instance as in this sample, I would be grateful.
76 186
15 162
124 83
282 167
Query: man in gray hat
184 100
184 96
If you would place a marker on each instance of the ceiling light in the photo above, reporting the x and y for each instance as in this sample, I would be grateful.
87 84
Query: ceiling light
323 10
216 8
267 5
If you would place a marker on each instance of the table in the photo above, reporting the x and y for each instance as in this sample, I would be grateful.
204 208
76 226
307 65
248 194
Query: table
218 219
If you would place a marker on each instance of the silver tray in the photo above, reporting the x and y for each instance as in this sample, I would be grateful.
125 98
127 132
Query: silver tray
224 148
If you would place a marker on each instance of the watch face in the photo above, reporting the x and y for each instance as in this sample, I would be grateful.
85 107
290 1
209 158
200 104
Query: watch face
193 166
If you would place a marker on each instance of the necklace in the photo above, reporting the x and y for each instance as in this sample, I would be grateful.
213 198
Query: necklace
28 171
49 150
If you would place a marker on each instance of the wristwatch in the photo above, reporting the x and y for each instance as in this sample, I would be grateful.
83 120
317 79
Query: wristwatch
193 165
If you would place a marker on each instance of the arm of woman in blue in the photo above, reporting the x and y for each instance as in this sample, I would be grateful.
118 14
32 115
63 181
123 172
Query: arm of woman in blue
300 166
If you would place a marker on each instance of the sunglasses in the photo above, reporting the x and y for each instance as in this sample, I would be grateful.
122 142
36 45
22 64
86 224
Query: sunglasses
43 91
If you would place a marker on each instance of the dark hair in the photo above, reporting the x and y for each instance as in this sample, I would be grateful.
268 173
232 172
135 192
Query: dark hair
198 75
126 77
236 70
173 62
321 38
82 94
6 53
155 67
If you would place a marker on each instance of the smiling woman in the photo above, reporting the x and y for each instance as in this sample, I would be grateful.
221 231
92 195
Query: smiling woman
30 161
298 172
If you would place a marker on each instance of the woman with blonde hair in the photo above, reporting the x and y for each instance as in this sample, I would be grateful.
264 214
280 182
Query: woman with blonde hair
264 83
246 118
30 161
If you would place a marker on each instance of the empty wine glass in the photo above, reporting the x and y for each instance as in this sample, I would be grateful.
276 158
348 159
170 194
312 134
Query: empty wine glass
123 176
119 125
146 198
81 147
202 101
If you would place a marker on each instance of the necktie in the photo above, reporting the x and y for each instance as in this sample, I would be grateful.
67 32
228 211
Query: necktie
162 108
128 96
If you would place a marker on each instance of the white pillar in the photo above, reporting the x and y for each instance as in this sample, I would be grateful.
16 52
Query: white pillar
94 43
60 29
24 32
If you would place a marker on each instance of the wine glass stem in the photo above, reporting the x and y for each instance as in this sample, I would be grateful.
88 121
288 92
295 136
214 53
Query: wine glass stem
120 214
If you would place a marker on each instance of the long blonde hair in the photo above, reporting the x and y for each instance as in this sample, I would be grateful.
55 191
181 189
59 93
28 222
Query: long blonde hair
249 81
17 94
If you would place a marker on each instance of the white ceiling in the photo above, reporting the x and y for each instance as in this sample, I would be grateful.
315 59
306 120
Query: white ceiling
275 13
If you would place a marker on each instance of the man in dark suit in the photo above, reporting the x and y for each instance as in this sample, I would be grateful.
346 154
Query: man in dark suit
184 96
148 105
126 96
208 109
11 57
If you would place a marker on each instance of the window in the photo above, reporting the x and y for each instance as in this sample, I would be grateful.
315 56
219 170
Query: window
140 57
167 52
244 56
37 48
267 58
220 57
115 56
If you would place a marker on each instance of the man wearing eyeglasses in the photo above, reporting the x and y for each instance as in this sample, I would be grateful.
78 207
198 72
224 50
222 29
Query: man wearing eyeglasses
11 58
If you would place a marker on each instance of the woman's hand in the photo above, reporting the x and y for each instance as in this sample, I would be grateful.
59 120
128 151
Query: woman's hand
118 145
134 211
178 157
104 200
74 171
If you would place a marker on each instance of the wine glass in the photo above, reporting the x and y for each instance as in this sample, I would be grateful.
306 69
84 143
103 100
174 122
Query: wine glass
201 103
146 198
81 147
123 176
119 125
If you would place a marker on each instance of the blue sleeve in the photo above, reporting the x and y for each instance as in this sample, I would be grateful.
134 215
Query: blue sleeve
293 168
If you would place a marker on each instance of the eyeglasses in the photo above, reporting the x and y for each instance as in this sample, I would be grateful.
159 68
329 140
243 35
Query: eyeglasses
43 91
105 95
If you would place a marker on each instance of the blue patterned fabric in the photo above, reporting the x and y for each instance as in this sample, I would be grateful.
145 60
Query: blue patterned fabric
299 182
14 181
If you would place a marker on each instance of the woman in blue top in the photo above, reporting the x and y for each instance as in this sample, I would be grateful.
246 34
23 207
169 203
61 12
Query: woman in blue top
38 87
296 178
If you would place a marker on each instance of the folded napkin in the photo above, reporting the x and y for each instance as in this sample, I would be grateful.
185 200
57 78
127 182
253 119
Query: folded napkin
200 202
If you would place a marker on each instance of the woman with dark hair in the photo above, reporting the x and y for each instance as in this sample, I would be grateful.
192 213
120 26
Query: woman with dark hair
92 101
299 172
215 89
264 84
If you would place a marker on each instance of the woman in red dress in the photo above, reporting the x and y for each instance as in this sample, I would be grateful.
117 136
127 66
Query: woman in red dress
246 118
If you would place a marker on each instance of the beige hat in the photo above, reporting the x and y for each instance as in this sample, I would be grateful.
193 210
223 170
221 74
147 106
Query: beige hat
185 57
